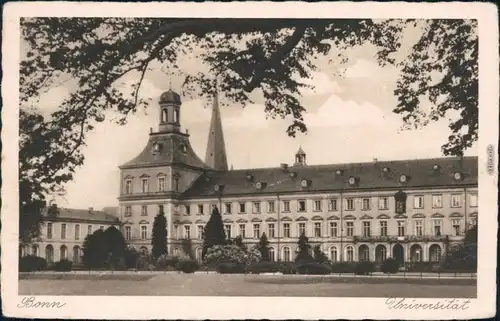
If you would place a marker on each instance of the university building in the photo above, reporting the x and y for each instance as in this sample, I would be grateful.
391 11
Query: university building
411 210
64 231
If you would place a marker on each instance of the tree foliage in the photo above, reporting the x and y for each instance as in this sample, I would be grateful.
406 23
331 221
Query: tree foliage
187 248
319 255
268 57
159 235
214 232
104 248
304 250
263 247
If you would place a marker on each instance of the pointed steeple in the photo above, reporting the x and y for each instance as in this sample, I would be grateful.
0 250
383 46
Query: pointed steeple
216 148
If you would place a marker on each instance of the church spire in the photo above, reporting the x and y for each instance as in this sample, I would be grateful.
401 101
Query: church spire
216 147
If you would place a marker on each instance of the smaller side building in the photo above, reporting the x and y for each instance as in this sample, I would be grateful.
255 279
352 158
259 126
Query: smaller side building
63 233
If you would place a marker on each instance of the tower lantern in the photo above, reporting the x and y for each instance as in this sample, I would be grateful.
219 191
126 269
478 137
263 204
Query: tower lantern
170 103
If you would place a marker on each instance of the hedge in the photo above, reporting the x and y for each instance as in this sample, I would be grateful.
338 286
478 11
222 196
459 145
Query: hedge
230 268
187 265
314 268
63 265
390 265
364 268
264 267
32 263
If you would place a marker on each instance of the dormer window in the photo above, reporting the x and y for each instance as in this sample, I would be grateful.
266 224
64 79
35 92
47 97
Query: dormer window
339 172
183 148
156 147
457 176
260 185
435 167
305 183
249 177
352 180
403 178
385 169
293 174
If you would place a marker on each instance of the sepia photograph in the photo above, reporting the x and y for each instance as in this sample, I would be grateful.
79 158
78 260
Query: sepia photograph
192 157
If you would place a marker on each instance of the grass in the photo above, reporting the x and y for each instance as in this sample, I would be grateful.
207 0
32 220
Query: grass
242 285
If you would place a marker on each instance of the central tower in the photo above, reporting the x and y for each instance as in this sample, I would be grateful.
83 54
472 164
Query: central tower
216 148
170 103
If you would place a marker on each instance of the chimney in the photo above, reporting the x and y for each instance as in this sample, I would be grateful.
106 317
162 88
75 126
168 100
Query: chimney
284 166
91 210
187 131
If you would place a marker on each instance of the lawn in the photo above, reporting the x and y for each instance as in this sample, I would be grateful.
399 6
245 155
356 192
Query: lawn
173 284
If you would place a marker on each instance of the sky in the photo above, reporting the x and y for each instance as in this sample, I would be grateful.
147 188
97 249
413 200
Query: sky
348 114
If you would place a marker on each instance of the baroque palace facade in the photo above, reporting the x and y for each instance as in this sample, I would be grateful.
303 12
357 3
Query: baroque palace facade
411 210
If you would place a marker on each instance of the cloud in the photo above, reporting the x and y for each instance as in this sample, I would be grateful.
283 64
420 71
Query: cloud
322 84
344 113
363 68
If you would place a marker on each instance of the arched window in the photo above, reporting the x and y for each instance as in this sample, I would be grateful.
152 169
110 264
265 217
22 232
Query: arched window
164 116
49 254
64 252
333 253
176 251
176 116
286 254
364 253
199 254
76 254
416 253
435 253
380 253
271 254
34 250
349 253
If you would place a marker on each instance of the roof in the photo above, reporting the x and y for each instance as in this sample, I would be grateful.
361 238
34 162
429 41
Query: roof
300 151
83 215
419 173
167 148
170 96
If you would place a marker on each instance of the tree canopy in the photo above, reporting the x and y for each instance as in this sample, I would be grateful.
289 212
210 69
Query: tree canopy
159 235
271 57
214 233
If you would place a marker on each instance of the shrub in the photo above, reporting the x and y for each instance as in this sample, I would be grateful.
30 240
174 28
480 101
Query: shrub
314 268
390 265
364 268
165 261
187 265
31 263
264 267
421 267
63 265
343 267
231 268
287 267
231 253
144 263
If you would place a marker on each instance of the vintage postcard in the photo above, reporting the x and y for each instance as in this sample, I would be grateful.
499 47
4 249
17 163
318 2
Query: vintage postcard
249 160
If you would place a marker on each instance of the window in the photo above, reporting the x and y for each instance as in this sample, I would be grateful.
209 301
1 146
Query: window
419 228
366 204
333 229
367 228
349 228
437 201
160 209
242 208
144 232
176 232
144 185
286 254
286 229
256 207
270 207
176 184
77 231
418 201
227 228
200 209
187 209
242 230
49 230
332 205
317 229
256 231
164 116
349 204
401 228
128 186
128 232
437 227
270 229
144 210
349 251
161 184
435 253
333 254
187 232
456 200
201 232
383 228
63 231
302 228
383 203
317 206
271 255
89 229
473 200
286 206
128 211
301 206
228 208
455 223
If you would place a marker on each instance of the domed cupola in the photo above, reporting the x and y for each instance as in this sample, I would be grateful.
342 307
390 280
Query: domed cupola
170 103
170 97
